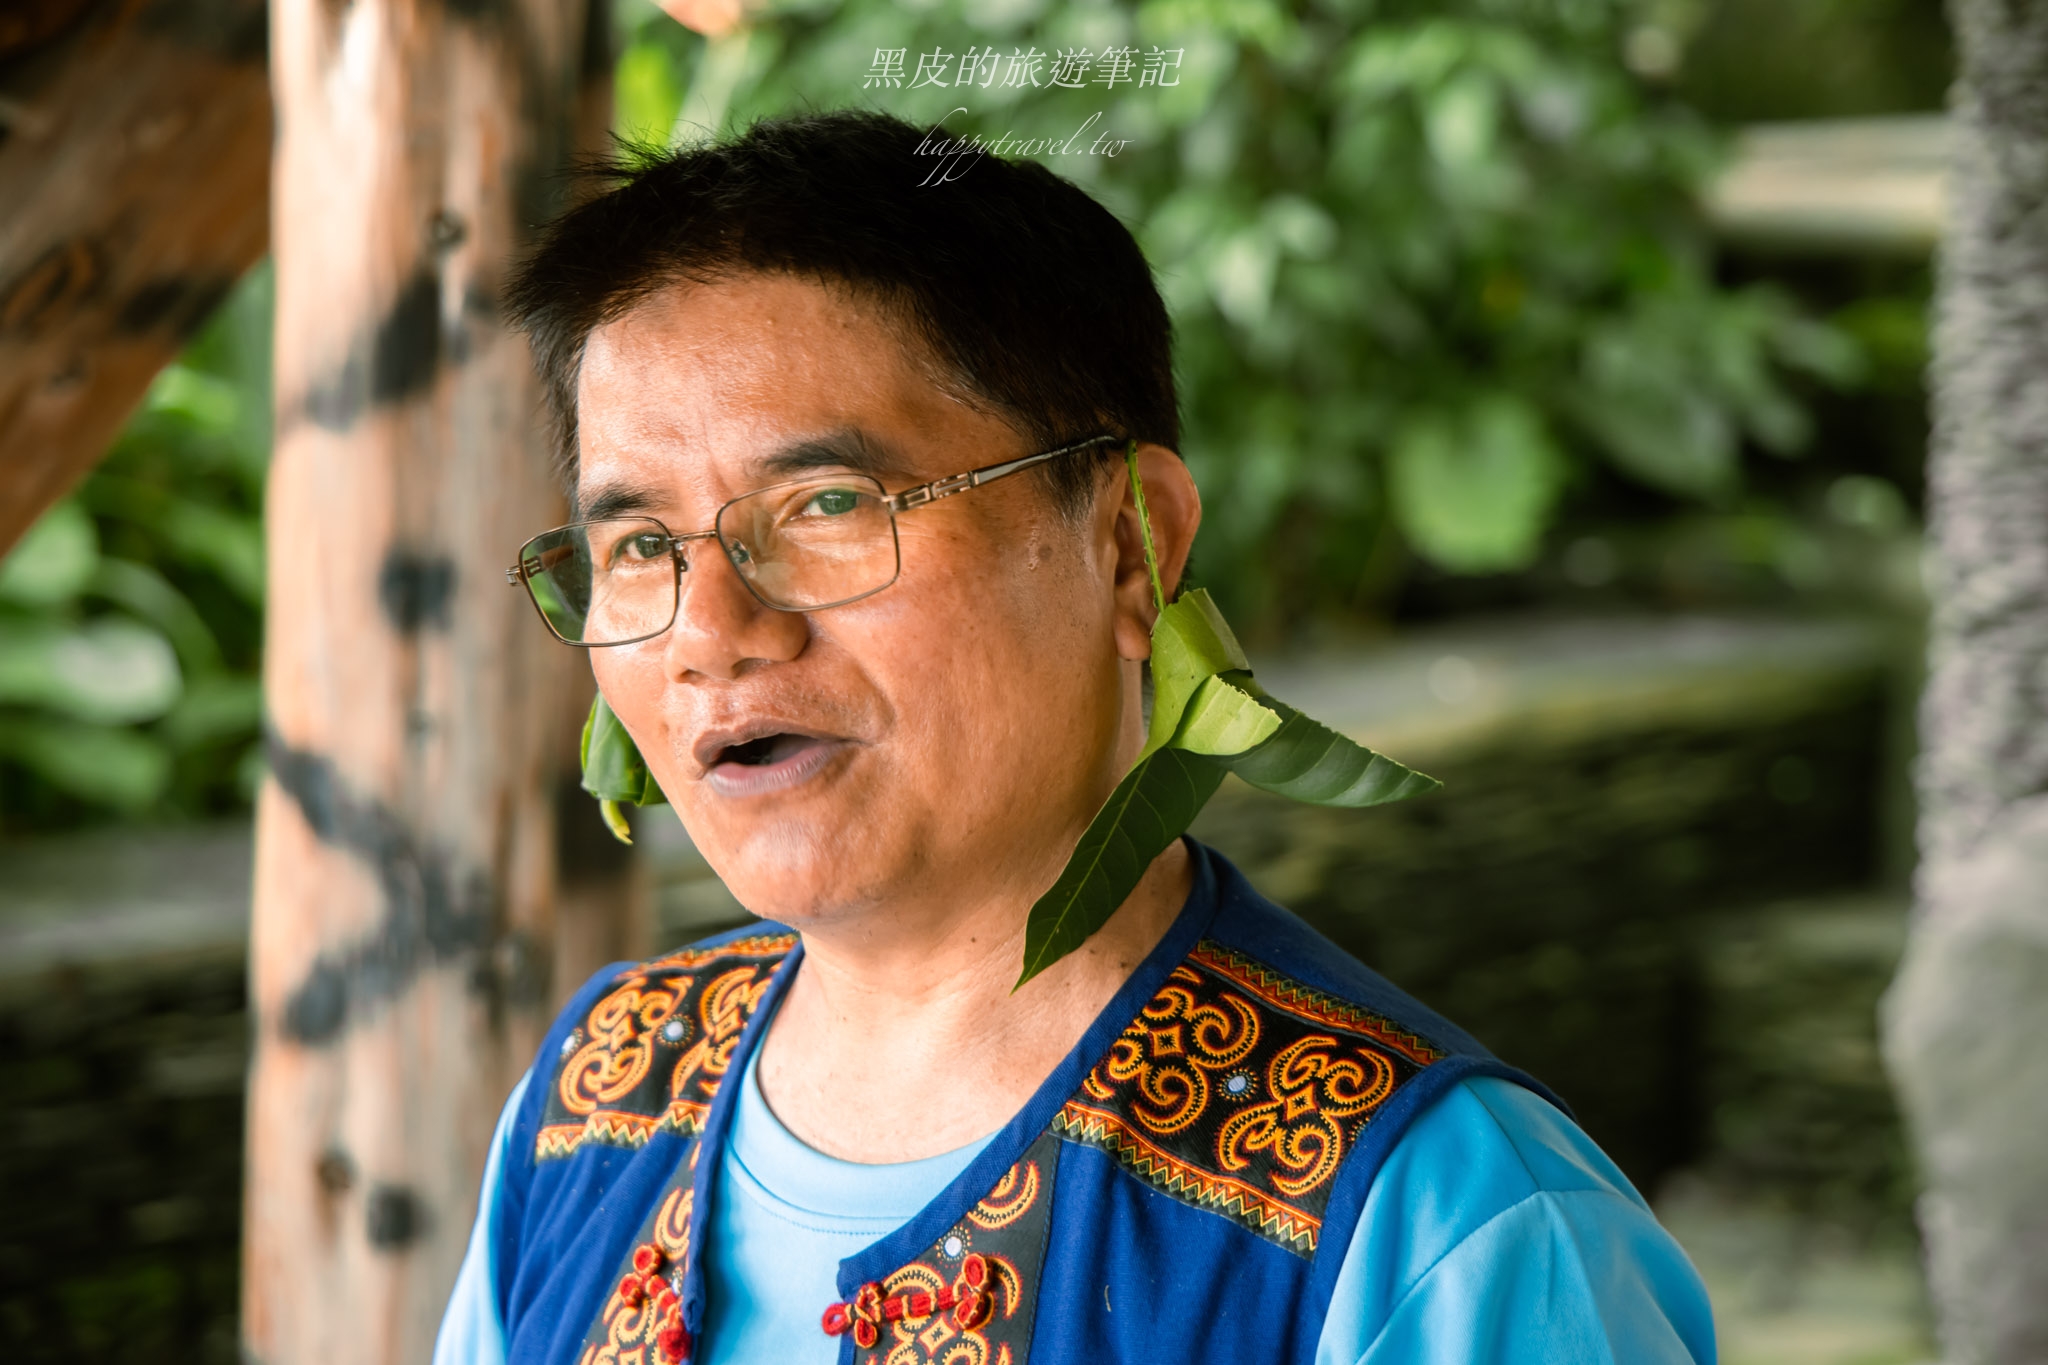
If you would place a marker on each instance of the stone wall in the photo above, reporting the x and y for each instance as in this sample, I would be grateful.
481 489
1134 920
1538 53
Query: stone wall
123 1045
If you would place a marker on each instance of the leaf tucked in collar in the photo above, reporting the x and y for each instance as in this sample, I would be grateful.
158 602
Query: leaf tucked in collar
1149 809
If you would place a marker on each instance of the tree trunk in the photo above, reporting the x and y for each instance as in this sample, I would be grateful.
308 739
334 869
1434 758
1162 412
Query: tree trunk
134 164
1966 1022
403 960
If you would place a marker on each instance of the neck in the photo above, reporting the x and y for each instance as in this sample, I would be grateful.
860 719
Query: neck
920 1018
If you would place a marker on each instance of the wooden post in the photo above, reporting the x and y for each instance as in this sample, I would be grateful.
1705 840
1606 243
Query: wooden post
402 961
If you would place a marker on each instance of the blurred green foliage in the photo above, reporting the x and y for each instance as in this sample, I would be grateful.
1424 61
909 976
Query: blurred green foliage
1447 316
131 613
1763 60
1433 265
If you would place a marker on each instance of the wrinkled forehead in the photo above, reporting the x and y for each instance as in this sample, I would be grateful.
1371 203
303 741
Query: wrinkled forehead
705 390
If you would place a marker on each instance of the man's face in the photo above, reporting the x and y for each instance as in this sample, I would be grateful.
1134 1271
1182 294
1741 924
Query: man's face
950 734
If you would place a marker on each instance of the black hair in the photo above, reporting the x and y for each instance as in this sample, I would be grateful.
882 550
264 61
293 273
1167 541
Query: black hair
1029 294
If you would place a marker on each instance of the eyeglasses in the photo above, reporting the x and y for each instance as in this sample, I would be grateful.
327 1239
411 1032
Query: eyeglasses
799 546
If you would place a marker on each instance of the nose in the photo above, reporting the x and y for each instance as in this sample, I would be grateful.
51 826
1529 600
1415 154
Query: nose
720 627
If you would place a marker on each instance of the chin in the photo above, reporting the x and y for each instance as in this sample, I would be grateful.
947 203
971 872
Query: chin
794 872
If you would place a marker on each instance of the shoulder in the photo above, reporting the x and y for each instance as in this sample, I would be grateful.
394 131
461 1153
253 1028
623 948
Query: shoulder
1495 1212
1486 1145
1269 1074
1469 1205
641 1047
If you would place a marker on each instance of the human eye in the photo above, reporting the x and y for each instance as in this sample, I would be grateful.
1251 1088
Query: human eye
640 547
832 502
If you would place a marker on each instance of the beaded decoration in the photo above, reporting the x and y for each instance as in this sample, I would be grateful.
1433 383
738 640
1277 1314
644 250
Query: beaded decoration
646 1282
968 1297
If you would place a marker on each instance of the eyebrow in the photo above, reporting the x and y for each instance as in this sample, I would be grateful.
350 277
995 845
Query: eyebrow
617 500
846 448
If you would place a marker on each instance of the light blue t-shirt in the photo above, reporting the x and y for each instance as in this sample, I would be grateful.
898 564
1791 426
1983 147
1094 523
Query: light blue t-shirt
1496 1233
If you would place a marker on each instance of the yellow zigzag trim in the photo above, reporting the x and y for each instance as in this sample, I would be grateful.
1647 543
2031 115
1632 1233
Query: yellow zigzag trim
1177 1177
617 1128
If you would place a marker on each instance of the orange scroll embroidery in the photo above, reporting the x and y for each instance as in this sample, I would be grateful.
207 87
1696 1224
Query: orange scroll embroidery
649 1055
1240 1090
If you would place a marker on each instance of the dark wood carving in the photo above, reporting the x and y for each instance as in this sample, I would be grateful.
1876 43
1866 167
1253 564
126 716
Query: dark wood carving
134 184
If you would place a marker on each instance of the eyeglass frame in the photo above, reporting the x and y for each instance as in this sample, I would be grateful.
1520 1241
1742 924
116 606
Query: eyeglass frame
923 495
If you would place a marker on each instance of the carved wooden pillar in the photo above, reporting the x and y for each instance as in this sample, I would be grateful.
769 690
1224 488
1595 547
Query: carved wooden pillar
402 961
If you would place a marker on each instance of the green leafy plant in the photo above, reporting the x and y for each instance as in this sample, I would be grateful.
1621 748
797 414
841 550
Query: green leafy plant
1436 267
131 612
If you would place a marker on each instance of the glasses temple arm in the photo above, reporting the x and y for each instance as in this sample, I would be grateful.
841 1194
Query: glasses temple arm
975 478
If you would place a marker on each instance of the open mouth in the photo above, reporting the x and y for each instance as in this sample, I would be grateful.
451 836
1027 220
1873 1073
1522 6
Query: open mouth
768 749
769 762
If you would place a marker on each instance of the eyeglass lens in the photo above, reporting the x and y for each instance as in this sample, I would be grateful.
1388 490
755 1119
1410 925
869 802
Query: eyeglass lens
797 547
810 545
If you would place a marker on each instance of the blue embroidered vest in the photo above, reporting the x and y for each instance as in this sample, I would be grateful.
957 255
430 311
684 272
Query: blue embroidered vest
1183 1187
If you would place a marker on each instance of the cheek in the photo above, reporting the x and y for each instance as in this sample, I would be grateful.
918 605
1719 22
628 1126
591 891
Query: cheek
632 681
1002 654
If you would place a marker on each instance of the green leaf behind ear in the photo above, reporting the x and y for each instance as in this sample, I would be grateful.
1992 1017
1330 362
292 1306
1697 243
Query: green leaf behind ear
613 769
1157 800
615 821
1191 642
1308 761
1225 716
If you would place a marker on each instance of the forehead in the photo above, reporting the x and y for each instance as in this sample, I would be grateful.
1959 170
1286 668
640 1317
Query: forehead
705 382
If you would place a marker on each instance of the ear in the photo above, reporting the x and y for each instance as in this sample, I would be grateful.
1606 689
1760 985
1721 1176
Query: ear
1175 509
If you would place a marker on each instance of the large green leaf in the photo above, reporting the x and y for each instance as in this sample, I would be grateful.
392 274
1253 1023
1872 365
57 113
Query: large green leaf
1191 643
613 770
1228 725
1310 762
1157 800
216 708
1225 717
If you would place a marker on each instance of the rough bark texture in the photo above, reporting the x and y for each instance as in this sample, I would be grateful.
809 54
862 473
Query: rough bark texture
404 954
1967 1017
134 165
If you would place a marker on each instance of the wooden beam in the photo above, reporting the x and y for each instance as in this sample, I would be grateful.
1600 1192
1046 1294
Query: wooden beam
134 167
408 879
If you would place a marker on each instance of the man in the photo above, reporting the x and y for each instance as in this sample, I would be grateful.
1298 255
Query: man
886 701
